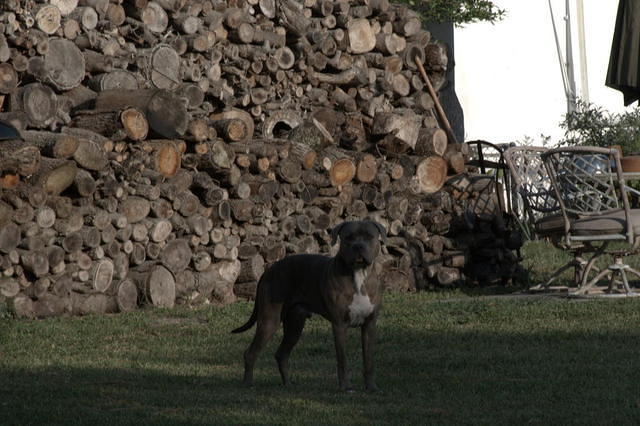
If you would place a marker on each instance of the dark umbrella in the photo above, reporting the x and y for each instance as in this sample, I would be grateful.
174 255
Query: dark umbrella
624 62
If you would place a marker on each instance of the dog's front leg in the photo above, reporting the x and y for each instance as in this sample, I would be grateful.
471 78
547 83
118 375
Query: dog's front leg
340 339
368 330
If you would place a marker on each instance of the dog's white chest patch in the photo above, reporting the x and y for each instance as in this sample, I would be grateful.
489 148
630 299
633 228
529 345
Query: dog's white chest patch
361 306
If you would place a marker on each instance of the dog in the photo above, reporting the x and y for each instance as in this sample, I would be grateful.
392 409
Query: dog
343 289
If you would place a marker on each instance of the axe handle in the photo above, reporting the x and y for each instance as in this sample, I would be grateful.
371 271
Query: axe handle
436 101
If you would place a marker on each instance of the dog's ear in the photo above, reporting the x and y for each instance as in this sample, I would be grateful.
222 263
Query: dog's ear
382 231
335 232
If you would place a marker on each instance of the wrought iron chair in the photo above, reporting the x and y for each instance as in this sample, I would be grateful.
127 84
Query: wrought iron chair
594 202
538 207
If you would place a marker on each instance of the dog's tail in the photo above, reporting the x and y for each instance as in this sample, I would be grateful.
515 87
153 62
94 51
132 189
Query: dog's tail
250 322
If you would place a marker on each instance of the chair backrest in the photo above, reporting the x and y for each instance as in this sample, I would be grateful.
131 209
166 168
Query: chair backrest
531 180
489 159
588 182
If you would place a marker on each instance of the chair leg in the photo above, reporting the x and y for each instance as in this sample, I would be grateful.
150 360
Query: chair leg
617 268
586 286
620 267
572 264
578 263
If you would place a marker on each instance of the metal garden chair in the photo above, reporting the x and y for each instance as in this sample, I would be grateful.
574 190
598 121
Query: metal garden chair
594 201
538 207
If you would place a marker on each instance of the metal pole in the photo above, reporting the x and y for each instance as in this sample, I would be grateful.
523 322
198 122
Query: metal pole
571 96
582 47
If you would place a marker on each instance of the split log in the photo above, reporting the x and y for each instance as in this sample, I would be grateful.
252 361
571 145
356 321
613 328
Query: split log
9 237
51 144
113 80
21 306
361 36
232 130
165 112
90 155
165 157
340 166
48 19
23 161
431 141
8 78
455 159
176 255
221 277
102 275
9 287
252 269
51 305
39 103
92 303
239 114
156 284
366 169
135 209
431 174
114 124
126 296
54 175
64 64
403 127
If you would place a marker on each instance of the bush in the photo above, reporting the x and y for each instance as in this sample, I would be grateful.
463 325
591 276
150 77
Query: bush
594 126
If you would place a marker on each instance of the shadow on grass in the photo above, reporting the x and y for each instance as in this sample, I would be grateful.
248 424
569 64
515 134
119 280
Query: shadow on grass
447 376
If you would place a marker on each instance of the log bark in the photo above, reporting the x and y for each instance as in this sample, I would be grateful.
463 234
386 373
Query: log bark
165 113
54 175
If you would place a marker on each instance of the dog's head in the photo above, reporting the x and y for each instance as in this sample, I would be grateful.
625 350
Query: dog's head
359 242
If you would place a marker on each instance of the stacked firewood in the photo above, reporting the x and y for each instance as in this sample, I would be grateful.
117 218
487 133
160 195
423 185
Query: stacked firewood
171 150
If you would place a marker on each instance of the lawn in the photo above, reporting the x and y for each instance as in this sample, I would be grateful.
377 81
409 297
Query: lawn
442 358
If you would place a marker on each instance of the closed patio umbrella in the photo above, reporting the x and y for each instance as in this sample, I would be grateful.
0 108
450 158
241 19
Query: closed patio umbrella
624 63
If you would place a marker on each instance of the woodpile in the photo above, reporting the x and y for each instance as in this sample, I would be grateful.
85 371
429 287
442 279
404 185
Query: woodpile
172 149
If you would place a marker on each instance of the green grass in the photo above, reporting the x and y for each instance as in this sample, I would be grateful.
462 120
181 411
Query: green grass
441 359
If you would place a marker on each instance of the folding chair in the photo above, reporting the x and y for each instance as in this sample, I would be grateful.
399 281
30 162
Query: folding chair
594 201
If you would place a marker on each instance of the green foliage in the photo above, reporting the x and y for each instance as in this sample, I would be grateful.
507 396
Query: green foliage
457 11
594 126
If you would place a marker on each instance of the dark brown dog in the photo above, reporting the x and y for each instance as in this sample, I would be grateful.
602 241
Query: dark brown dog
343 289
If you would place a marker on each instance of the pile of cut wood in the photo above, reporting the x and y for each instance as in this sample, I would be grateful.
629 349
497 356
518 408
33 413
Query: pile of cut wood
173 149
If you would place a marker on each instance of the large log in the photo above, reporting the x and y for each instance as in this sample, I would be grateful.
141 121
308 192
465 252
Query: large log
156 284
165 113
64 64
431 174
54 175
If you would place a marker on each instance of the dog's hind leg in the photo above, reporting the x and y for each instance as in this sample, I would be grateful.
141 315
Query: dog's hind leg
292 324
267 324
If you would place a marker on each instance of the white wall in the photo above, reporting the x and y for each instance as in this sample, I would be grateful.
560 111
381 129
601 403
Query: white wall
507 75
